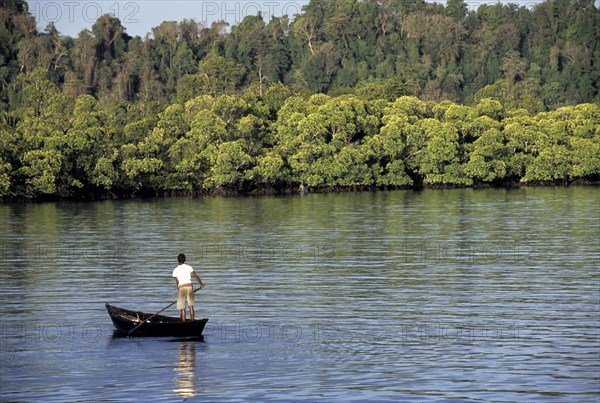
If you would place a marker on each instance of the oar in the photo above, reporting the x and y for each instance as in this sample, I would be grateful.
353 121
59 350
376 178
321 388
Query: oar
147 320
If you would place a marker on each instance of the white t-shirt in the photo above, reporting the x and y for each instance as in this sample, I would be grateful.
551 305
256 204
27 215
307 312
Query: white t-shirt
183 272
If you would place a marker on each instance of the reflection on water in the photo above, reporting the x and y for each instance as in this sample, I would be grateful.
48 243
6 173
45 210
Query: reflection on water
457 295
185 370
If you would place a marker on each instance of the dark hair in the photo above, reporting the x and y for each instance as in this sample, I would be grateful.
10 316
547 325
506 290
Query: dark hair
181 258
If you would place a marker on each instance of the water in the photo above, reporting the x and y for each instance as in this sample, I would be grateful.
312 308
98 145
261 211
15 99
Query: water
418 296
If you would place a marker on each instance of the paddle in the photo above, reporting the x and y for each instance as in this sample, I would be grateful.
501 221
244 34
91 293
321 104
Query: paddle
148 319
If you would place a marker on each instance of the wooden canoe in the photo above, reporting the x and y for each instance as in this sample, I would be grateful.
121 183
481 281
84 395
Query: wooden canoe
159 326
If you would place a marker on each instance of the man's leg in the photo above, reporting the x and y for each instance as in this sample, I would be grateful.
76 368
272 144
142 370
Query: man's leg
181 303
192 311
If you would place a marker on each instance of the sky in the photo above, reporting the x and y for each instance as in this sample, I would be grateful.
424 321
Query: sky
140 16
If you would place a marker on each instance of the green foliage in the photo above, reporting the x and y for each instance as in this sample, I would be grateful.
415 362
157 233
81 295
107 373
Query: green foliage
488 161
271 169
229 163
440 163
585 160
220 75
40 169
87 145
5 171
551 164
241 142
538 58
388 148
350 94
389 89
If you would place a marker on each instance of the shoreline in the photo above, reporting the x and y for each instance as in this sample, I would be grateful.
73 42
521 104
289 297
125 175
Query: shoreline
271 191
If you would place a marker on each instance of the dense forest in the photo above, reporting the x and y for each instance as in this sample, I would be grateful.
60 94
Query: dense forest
350 94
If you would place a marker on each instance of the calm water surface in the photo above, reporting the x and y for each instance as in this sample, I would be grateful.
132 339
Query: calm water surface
488 295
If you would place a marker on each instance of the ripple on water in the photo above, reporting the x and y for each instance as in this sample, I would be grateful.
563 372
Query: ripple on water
422 296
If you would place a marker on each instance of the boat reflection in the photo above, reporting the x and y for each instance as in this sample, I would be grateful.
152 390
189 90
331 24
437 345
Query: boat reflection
185 374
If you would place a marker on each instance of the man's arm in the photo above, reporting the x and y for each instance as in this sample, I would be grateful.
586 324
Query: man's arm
177 282
198 278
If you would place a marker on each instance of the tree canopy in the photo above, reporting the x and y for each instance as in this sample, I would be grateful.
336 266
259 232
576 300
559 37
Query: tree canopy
349 94
537 58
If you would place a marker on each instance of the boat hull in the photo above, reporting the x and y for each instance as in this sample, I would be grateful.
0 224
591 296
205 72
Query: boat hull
159 326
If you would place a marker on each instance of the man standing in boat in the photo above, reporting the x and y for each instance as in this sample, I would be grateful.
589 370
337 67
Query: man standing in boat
183 277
